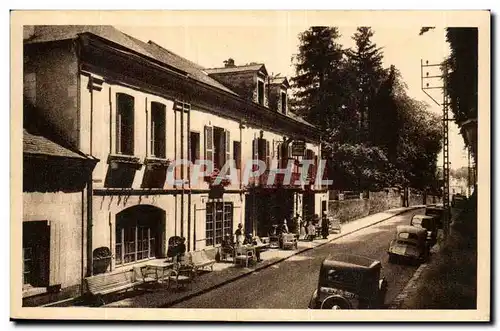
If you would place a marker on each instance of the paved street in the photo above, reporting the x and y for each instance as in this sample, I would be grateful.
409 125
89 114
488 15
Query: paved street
289 284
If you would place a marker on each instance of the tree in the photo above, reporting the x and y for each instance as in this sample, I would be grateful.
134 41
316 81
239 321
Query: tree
317 67
462 72
366 61
462 76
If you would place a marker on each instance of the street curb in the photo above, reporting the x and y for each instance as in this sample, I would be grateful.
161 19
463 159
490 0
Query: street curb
262 267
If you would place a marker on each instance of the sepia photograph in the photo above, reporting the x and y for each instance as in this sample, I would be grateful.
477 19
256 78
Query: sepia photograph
250 165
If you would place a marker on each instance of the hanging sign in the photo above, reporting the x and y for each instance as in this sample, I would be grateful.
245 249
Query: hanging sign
298 148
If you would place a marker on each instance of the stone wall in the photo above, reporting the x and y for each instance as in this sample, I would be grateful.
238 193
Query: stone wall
349 210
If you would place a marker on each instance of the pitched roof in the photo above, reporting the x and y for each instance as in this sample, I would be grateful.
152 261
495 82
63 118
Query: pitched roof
46 33
193 69
243 68
39 145
279 81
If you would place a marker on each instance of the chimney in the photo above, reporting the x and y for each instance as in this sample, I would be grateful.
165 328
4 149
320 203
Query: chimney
229 63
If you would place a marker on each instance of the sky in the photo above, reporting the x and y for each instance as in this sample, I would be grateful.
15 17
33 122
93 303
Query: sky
274 44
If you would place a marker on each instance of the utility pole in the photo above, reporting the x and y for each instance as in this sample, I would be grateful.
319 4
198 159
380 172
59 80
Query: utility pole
444 104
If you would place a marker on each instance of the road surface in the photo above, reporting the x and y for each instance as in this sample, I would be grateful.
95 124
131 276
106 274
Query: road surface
289 284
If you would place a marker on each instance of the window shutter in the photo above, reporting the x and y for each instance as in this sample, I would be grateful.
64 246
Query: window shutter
268 154
255 152
55 254
227 148
209 144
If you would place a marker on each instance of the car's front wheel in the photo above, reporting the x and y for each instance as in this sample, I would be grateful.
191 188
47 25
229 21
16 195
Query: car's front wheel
336 303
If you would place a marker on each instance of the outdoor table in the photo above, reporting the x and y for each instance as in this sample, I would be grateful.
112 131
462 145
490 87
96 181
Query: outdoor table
160 266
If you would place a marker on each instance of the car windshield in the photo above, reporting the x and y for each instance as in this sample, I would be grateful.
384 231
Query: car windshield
407 235
342 278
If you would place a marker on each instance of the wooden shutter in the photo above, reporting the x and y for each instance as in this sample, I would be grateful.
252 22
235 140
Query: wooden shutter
209 144
268 154
255 152
227 139
55 254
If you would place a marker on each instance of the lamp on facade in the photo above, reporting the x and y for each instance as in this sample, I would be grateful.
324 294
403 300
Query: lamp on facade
469 128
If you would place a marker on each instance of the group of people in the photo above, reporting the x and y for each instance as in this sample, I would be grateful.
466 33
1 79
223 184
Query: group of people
240 239
308 227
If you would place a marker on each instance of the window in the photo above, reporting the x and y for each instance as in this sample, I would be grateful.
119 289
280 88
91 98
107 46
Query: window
158 130
36 251
194 145
137 234
260 92
217 146
237 154
124 124
264 152
219 221
283 155
283 102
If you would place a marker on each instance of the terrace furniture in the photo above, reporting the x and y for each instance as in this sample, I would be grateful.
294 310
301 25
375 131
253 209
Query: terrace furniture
200 260
103 284
182 275
158 269
260 245
146 275
289 240
244 254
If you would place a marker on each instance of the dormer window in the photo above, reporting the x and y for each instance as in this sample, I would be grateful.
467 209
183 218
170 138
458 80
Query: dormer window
283 102
260 92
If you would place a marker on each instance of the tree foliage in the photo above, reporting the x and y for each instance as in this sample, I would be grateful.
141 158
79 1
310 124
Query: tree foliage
374 134
462 72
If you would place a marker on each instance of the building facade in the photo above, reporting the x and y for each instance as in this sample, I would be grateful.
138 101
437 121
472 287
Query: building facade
139 109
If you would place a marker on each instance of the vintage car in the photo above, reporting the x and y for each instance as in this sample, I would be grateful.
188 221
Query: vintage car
458 200
409 243
349 282
437 211
429 223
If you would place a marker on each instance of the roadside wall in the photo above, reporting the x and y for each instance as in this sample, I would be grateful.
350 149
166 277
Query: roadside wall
348 210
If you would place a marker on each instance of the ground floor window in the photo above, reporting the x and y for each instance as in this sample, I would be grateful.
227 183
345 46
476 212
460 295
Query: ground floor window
36 251
219 221
138 232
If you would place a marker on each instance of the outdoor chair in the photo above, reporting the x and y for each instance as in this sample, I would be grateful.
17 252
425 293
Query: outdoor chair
243 255
145 276
182 275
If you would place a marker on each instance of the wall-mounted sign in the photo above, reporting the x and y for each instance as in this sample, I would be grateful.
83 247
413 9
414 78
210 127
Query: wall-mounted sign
298 148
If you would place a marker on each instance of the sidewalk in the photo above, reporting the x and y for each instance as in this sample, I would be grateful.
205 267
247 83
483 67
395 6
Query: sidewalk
224 273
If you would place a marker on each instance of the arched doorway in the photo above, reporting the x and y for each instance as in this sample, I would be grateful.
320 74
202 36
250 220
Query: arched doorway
140 234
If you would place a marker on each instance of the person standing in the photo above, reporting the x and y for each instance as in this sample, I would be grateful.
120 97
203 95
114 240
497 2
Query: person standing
325 225
239 235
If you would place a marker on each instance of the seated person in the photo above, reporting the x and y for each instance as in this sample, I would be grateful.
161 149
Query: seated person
227 242
248 240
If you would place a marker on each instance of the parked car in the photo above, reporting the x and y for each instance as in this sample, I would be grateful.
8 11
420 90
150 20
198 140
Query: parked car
429 223
409 243
349 282
457 200
437 211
